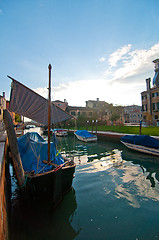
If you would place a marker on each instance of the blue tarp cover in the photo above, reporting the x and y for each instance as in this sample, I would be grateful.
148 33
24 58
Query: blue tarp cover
32 147
84 133
143 140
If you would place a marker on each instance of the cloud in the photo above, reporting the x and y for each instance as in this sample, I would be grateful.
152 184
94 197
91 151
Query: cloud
77 93
134 63
116 56
102 59
122 86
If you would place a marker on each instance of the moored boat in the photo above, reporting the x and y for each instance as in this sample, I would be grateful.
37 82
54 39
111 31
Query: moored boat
40 169
60 132
85 136
141 143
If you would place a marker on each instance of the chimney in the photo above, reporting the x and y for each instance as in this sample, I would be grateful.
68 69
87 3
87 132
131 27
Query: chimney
97 99
4 94
148 81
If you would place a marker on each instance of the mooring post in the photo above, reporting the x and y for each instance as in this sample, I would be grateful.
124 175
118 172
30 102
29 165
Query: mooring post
140 127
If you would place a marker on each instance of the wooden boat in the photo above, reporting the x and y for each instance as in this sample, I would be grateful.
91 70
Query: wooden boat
85 136
47 174
141 143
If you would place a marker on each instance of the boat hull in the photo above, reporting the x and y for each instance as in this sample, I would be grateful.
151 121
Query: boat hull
61 133
53 184
85 139
142 149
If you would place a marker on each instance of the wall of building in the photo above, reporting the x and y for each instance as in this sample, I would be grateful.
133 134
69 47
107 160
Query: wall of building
3 196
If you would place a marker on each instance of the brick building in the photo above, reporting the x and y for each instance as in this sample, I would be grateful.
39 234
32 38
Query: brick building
150 99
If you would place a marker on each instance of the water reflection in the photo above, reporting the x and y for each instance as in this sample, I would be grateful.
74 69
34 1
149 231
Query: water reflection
116 188
37 220
148 164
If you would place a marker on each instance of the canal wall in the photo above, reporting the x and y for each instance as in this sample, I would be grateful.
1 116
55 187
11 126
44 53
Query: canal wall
104 135
3 192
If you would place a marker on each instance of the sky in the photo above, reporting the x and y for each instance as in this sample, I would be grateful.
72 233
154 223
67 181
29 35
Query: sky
97 48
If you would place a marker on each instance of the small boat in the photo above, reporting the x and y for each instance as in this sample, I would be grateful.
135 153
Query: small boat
141 143
85 136
40 169
60 132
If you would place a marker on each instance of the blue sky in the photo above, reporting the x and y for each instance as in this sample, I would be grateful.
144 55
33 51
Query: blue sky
98 48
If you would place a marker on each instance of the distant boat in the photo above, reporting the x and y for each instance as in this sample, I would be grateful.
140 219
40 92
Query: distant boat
85 136
141 143
40 169
60 132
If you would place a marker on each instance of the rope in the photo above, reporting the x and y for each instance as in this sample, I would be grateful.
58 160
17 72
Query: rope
26 180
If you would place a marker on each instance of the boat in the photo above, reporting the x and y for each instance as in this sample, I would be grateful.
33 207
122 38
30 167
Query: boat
60 132
85 136
141 143
40 169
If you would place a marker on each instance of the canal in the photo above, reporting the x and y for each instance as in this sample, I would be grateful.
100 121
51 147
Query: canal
115 196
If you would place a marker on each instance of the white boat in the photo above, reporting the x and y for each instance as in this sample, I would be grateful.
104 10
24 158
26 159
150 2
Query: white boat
60 132
85 136
141 143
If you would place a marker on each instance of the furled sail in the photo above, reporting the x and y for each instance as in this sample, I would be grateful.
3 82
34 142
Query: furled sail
27 103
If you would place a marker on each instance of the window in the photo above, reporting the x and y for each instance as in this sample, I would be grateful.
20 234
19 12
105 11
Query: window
156 116
0 112
154 106
144 108
94 105
144 117
155 94
144 97
73 113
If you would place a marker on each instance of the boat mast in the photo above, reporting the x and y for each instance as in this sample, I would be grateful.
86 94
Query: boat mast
49 111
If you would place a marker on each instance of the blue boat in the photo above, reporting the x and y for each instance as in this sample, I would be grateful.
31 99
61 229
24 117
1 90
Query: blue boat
85 136
142 143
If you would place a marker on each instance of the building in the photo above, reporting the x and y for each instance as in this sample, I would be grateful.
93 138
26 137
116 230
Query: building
11 113
150 99
106 112
80 111
132 114
61 104
2 105
101 109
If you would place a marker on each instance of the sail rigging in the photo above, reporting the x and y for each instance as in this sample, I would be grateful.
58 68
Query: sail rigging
28 103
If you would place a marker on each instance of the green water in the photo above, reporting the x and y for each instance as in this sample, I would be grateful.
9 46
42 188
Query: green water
115 196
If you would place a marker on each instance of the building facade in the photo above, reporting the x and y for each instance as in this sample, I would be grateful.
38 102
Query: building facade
150 99
132 114
80 111
2 105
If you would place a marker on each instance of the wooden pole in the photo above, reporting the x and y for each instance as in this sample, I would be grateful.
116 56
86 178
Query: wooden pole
140 127
49 111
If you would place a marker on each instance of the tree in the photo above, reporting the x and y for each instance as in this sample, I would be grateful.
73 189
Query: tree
114 117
